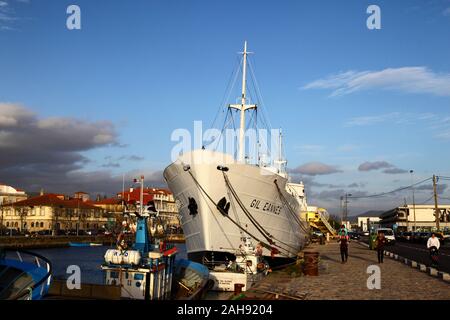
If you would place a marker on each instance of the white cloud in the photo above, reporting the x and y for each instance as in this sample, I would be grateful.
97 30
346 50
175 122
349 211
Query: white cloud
368 166
370 120
396 118
8 14
347 148
405 79
315 168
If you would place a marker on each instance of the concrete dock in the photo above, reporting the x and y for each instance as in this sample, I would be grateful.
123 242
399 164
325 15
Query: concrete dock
348 281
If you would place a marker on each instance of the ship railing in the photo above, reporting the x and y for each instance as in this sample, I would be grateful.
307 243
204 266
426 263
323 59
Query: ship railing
216 263
40 262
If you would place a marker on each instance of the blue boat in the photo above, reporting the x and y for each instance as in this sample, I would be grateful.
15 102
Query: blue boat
24 275
148 269
84 244
191 280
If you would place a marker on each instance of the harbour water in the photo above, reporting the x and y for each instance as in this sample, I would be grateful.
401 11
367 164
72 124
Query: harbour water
88 259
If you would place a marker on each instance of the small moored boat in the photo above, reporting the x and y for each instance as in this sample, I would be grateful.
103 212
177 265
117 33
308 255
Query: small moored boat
149 269
24 275
84 244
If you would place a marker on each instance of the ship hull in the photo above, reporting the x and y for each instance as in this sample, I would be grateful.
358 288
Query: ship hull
209 233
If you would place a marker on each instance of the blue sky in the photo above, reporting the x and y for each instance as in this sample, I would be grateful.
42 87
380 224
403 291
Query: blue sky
342 93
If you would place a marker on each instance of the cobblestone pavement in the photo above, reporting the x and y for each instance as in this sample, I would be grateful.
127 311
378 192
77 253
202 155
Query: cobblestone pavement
337 281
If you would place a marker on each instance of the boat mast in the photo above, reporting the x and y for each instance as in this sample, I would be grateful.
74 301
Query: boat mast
280 161
243 107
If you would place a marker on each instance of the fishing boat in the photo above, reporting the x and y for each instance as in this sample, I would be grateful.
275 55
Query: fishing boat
148 270
222 198
24 275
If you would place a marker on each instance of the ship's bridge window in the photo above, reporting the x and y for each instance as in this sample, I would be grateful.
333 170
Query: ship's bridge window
114 274
138 276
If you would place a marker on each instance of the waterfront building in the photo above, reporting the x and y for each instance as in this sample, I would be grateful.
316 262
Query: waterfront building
162 198
52 212
113 207
10 194
413 217
84 196
365 221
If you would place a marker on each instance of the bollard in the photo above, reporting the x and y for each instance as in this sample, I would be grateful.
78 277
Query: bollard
311 266
238 288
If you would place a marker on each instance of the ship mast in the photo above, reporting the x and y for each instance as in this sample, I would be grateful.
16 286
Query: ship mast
243 107
280 161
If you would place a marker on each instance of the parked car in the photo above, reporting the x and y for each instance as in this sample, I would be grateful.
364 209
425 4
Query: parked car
45 232
60 232
317 234
10 232
354 235
388 234
26 233
92 232
406 236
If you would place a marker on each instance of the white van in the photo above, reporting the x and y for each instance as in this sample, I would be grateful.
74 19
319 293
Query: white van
388 234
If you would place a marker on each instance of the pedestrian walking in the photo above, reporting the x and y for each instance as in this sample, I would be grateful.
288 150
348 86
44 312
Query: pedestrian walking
343 231
380 243
433 244
343 240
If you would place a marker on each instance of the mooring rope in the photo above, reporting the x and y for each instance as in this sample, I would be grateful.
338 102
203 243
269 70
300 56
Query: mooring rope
291 211
266 245
258 226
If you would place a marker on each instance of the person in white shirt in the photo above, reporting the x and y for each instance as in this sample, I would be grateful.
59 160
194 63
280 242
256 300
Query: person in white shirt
433 245
433 241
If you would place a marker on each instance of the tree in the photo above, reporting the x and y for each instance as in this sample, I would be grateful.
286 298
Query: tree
334 221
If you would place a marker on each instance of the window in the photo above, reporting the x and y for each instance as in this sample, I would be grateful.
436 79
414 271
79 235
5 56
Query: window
42 224
138 276
7 224
32 224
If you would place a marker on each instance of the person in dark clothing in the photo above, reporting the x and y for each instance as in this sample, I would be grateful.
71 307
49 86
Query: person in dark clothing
343 239
380 243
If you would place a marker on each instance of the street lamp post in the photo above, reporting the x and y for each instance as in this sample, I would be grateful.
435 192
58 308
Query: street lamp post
345 210
413 199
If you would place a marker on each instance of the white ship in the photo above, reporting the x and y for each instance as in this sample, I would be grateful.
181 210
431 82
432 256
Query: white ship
222 199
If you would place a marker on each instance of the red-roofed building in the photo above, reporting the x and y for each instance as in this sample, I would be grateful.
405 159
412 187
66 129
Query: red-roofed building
162 198
81 195
52 212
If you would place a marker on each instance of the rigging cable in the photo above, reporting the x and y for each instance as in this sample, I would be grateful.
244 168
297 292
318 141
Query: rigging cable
267 246
291 211
390 192
252 219
228 89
